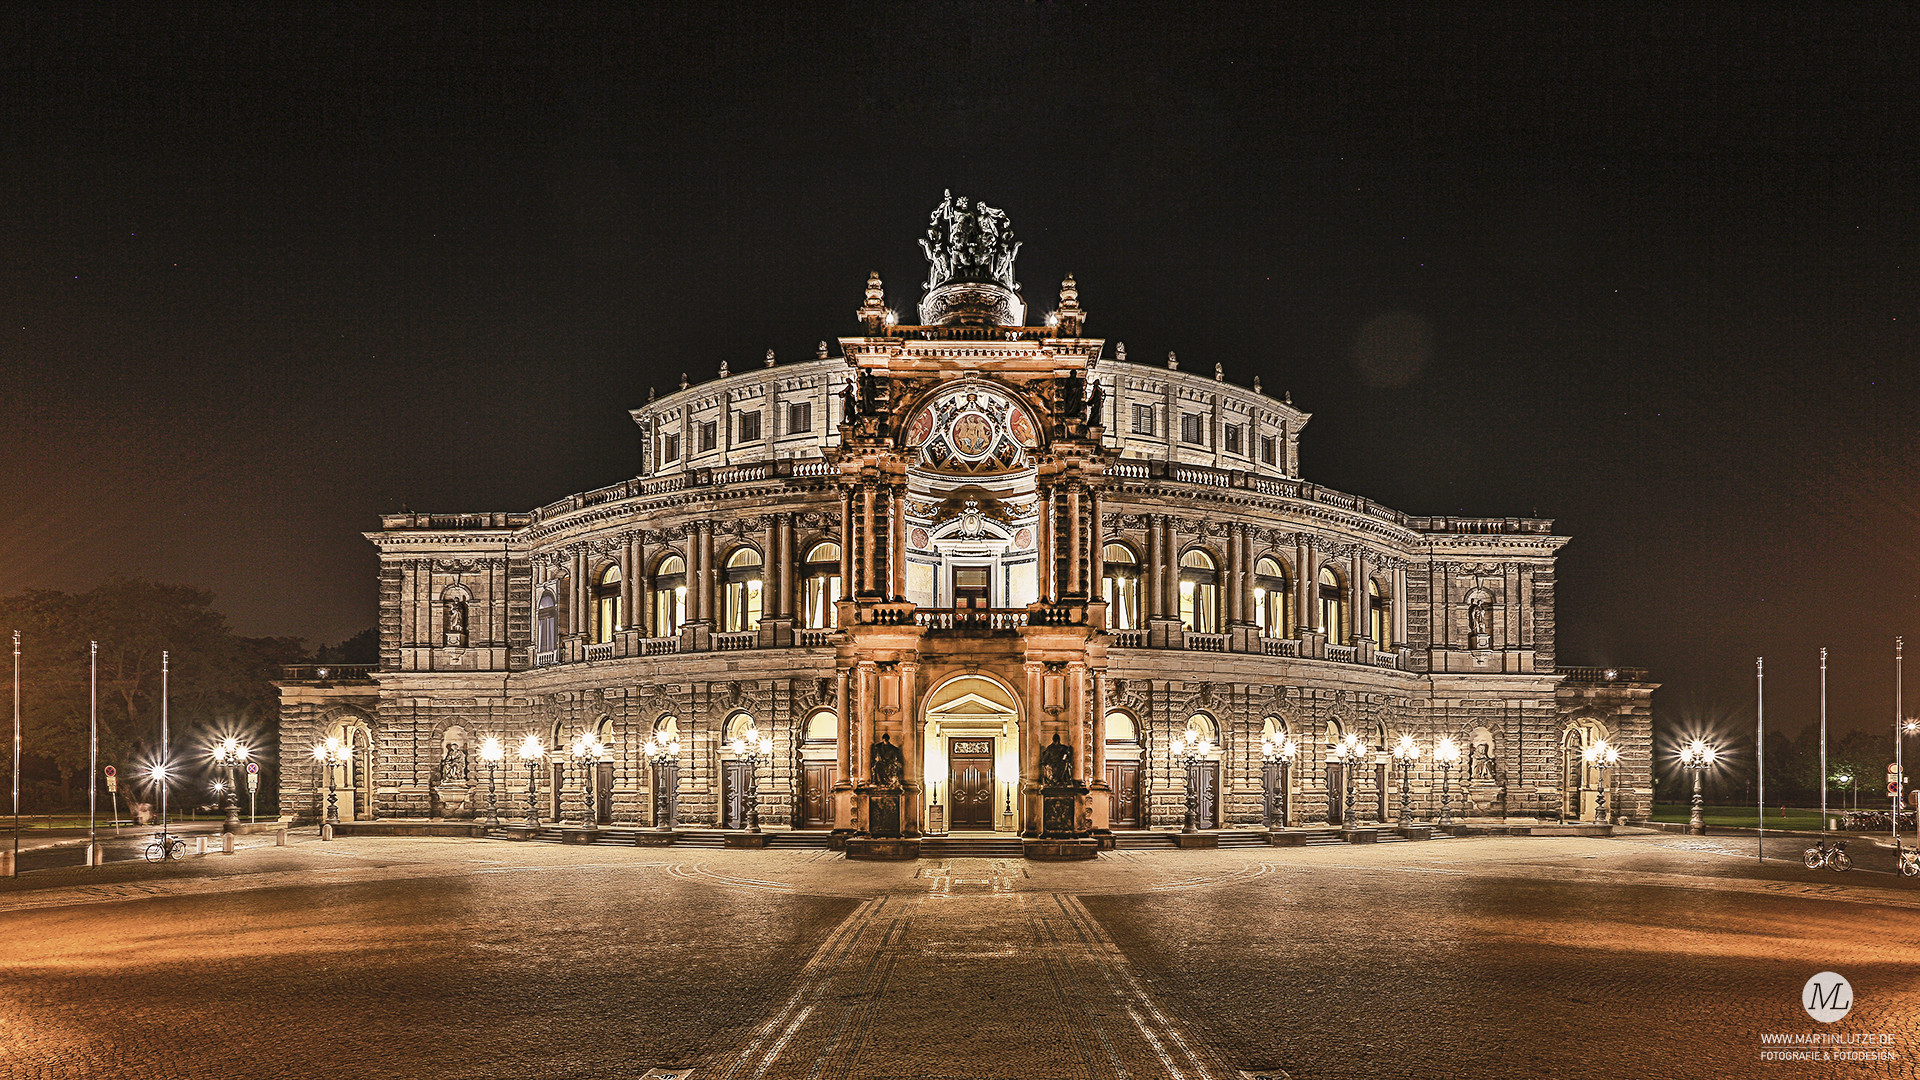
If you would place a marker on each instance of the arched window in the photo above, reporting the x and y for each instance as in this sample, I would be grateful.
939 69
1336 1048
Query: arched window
1272 598
823 727
740 591
544 622
820 587
1122 729
1333 606
1199 593
1379 617
606 604
669 596
1204 729
1121 587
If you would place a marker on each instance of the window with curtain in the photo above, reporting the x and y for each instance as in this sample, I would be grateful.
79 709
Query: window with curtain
606 604
1379 617
1199 593
1121 587
740 585
820 587
669 596
1333 607
1272 598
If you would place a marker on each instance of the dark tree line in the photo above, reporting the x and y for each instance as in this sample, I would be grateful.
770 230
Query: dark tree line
218 683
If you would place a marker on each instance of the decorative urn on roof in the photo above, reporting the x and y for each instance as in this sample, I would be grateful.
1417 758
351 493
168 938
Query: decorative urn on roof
971 248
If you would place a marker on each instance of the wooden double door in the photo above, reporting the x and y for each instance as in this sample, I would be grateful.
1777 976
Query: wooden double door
970 784
1123 780
815 806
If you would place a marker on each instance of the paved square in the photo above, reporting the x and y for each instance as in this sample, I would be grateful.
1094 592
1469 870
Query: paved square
1646 956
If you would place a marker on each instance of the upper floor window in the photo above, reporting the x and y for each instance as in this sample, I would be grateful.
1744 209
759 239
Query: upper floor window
1193 429
1199 593
1333 606
1272 598
606 604
1379 617
669 597
1121 587
709 436
546 639
800 418
1143 419
1269 450
670 447
820 587
1230 438
750 426
740 585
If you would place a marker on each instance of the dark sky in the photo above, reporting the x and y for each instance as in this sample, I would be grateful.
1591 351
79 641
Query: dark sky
266 276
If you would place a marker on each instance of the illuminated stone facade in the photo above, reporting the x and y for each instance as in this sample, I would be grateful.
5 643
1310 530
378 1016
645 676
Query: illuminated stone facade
966 540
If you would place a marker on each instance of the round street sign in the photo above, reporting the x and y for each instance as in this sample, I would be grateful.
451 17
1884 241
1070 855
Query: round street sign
111 771
253 766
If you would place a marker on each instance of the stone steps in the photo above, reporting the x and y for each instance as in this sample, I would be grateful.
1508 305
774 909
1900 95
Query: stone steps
1242 838
799 840
1143 839
971 847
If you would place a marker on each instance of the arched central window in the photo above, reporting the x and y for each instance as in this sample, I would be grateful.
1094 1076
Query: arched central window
1379 617
544 622
1199 593
1333 606
669 597
606 604
740 591
820 587
1121 587
1272 598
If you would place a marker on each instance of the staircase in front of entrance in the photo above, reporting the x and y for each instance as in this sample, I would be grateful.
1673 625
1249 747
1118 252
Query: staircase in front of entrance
974 846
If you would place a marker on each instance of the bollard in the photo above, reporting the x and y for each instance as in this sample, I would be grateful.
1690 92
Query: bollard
200 844
95 855
226 843
280 837
7 868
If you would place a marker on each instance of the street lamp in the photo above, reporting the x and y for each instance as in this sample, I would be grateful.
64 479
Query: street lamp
1602 757
492 753
1697 757
587 750
1845 780
230 755
750 745
1447 753
1282 752
1349 751
664 754
1405 753
531 752
331 755
1189 753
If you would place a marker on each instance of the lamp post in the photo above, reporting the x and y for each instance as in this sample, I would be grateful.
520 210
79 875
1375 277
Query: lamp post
531 752
1405 753
664 754
492 753
587 750
1283 753
1350 751
1697 757
1447 753
331 755
750 745
1602 757
230 756
1190 752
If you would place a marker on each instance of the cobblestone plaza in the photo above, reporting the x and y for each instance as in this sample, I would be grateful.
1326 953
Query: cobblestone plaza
1642 956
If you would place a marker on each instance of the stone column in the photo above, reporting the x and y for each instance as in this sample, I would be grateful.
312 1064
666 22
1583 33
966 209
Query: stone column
1075 584
847 587
897 543
582 617
642 590
867 493
770 562
912 752
1096 548
1045 544
786 566
1361 605
1028 781
1399 606
1230 576
1150 570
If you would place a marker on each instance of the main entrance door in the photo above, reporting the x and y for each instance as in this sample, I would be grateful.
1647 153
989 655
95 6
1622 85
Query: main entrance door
970 783
1336 793
1123 777
816 795
733 807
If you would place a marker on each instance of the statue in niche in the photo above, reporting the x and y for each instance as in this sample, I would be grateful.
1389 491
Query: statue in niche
453 763
1056 763
1480 763
887 766
1479 615
1096 405
849 404
456 636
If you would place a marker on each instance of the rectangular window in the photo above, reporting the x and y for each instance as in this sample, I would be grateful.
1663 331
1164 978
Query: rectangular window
1269 450
800 418
1193 429
670 448
1143 419
750 427
709 436
1232 438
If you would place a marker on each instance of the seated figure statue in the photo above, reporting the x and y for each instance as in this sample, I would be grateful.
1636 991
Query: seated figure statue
1056 763
888 767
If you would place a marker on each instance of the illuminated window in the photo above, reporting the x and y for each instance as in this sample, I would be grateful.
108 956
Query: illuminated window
800 418
750 426
740 584
1199 593
606 605
1333 606
1272 598
1121 587
669 597
820 587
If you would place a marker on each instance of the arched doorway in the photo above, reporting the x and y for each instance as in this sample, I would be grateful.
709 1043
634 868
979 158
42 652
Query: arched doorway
971 736
1579 781
1123 771
352 780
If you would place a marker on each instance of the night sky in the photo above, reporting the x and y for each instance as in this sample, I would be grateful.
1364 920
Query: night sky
265 276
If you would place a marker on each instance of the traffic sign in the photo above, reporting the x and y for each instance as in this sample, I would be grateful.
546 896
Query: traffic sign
1893 788
253 766
111 771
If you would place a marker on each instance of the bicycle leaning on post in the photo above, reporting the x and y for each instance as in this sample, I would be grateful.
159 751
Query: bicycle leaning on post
1833 856
1908 861
166 846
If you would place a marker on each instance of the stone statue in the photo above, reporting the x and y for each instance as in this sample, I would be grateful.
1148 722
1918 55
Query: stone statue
1479 611
849 404
1480 765
1096 404
453 764
1056 763
969 243
888 767
456 636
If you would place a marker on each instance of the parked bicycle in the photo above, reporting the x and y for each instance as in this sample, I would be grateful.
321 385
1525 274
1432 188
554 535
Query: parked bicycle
1833 856
166 847
1909 861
